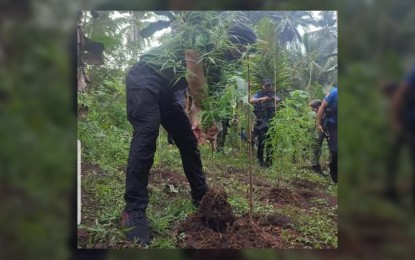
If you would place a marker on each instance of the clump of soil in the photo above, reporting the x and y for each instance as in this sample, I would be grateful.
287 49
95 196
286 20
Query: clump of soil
246 234
215 211
302 198
215 226
192 233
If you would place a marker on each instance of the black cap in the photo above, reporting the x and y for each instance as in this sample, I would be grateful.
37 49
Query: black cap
241 34
315 103
267 82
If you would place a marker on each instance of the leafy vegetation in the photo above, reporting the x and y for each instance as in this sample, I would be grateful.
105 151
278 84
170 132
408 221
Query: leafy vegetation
105 133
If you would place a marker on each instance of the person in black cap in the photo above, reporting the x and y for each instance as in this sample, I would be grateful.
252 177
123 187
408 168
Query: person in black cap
151 85
264 103
318 137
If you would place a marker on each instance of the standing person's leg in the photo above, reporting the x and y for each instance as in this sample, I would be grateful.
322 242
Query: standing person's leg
316 146
260 151
268 150
144 115
332 128
176 122
222 135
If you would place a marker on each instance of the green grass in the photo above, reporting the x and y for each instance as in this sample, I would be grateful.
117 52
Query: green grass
103 188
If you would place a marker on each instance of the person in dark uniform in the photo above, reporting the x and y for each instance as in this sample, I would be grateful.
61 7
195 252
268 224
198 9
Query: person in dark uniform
151 86
329 109
318 138
264 103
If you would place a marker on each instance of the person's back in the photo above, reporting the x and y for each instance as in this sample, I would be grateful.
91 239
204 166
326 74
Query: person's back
152 85
329 109
318 137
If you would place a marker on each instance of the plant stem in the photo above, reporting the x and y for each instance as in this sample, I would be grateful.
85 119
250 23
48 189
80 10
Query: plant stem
275 93
211 163
250 145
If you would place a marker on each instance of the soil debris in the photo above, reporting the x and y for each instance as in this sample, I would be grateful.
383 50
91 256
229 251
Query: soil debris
215 226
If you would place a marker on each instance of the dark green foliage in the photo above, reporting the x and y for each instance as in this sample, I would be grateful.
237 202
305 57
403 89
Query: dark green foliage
270 60
291 131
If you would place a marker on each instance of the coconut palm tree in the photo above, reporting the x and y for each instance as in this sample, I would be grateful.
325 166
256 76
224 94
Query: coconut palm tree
289 23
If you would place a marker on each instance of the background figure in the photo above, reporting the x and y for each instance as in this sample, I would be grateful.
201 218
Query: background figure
223 131
264 104
401 95
244 135
329 109
318 138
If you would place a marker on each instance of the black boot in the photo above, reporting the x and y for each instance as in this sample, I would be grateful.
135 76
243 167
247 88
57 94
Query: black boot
135 226
333 167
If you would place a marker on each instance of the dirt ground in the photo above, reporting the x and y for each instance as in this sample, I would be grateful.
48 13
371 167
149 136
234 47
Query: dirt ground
215 226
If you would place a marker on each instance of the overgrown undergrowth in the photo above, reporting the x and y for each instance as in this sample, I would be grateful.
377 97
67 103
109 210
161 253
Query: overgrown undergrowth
309 219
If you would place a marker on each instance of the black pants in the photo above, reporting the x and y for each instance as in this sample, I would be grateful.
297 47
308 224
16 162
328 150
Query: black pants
316 148
146 110
332 141
222 135
262 136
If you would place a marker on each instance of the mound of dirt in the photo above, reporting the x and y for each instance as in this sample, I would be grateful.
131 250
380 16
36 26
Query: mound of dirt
277 220
215 226
305 184
192 233
246 234
215 211
284 196
89 168
241 234
308 194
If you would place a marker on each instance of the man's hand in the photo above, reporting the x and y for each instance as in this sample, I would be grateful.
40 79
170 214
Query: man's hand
320 128
212 135
195 119
211 132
